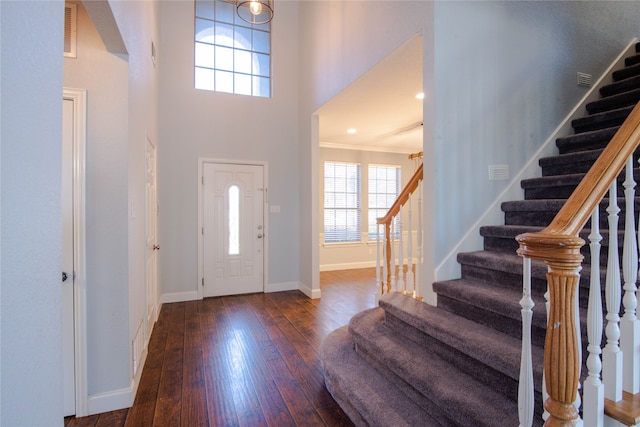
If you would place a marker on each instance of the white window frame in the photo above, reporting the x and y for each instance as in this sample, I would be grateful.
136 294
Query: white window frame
373 197
222 47
342 196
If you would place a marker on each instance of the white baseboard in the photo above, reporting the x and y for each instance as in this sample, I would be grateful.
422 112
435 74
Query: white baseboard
311 293
110 401
179 297
347 265
283 286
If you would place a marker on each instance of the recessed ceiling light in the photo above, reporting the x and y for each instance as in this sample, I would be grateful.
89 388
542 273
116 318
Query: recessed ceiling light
420 95
352 131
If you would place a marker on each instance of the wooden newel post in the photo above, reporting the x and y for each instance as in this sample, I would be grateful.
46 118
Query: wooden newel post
561 362
561 356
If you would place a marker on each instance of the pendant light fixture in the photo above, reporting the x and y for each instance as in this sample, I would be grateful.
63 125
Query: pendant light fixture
255 11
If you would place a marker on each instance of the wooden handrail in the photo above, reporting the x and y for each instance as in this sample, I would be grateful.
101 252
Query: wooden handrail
559 246
576 211
411 186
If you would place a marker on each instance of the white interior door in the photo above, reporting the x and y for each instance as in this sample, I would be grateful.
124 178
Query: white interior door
68 349
233 229
151 235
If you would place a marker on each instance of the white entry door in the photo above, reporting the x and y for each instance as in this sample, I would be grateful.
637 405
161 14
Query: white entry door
151 236
233 229
68 349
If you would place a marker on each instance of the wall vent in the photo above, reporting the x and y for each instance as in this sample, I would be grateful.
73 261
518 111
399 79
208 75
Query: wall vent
498 172
584 79
70 22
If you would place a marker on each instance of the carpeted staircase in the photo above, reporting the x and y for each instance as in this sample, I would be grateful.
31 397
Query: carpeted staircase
408 363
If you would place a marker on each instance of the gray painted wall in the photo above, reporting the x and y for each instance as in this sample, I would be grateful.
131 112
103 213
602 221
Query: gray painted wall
196 123
31 138
104 76
505 77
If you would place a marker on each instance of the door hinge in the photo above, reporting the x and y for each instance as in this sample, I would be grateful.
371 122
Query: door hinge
202 231
202 179
203 282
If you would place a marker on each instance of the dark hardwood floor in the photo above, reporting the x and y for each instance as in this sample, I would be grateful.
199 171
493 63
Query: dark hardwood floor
248 360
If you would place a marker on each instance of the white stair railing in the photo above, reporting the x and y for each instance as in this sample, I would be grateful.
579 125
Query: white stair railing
629 325
390 275
620 361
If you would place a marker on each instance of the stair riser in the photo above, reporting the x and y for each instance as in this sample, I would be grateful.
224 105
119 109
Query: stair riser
576 166
514 280
544 218
601 121
511 246
626 73
432 408
557 192
623 85
614 102
482 372
502 323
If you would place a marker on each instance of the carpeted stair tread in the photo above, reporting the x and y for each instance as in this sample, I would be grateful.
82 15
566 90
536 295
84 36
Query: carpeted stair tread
437 381
362 392
502 301
622 85
632 60
626 72
562 186
502 238
574 162
488 346
614 101
511 264
584 141
601 120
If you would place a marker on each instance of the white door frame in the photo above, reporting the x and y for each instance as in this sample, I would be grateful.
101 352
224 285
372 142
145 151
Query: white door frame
79 99
265 252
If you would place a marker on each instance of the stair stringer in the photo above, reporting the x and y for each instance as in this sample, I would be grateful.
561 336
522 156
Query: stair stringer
471 241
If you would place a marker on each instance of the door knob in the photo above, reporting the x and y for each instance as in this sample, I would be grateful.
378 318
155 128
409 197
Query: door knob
156 247
64 276
259 236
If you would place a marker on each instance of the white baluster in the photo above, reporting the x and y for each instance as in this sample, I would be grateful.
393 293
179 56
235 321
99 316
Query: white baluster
629 324
411 283
593 412
612 356
378 281
545 394
419 263
392 237
525 385
401 284
385 271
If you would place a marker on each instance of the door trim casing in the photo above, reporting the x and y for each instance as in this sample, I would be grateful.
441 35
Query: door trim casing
265 254
79 99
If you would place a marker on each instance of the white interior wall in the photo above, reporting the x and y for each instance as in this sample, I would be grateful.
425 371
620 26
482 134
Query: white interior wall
31 137
339 42
202 124
120 78
138 23
505 77
104 76
342 256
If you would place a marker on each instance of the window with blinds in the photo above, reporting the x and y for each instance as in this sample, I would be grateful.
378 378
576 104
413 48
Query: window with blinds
384 186
342 207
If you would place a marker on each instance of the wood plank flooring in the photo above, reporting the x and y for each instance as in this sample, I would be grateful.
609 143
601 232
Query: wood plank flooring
248 360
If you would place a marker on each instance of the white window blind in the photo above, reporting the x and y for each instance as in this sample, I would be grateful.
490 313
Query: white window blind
384 187
342 207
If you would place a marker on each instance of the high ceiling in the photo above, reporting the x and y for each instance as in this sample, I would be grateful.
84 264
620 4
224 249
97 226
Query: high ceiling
381 105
